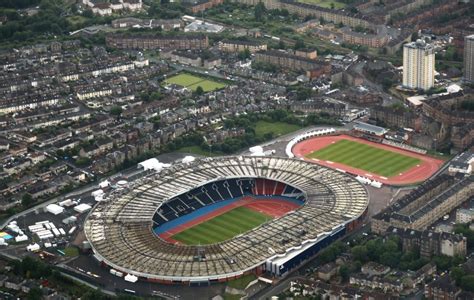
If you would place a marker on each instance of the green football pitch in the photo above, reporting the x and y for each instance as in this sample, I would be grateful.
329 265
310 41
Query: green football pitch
222 227
192 82
365 157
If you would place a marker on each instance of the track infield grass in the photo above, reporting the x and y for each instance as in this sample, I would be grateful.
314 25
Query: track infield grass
365 157
222 227
192 82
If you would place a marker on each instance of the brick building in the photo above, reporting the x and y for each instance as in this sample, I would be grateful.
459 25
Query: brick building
183 42
293 62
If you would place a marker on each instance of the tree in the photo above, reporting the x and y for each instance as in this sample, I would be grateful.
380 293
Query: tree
26 200
244 54
332 5
259 11
299 44
467 283
116 111
83 161
34 294
359 252
457 273
303 93
344 272
199 90
281 45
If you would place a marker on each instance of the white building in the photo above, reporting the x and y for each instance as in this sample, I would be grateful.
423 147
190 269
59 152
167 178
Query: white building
102 9
418 65
462 163
469 58
464 215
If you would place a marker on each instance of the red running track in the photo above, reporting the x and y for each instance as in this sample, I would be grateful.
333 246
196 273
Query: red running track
271 207
421 172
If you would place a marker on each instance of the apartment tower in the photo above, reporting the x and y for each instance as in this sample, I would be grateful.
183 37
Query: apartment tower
418 65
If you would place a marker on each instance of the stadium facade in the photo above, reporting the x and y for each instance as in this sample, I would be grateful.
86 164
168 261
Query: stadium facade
122 229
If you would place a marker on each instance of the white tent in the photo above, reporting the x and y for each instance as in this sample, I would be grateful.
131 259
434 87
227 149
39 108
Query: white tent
131 278
153 164
66 203
122 182
21 238
54 209
453 88
188 159
97 193
33 247
256 149
104 184
81 208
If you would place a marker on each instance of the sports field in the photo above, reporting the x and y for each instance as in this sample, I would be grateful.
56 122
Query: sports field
362 156
193 81
222 227
325 3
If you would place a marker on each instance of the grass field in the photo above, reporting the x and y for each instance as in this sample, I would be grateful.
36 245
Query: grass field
222 227
198 151
325 3
278 128
193 81
242 282
365 157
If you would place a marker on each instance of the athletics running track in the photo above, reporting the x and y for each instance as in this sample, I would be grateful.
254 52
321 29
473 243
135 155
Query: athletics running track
273 207
421 172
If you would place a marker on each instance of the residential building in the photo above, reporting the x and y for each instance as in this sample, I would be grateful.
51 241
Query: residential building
203 5
426 204
431 243
469 58
374 40
164 24
327 271
462 163
464 215
292 62
102 9
184 42
241 45
345 17
418 65
443 288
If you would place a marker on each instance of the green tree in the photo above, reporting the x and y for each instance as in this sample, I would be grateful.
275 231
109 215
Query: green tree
116 111
34 294
259 11
303 93
26 200
244 54
344 272
299 44
83 161
467 283
199 90
457 273
359 253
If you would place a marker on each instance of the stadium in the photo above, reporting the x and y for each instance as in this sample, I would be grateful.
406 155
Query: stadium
215 219
365 153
